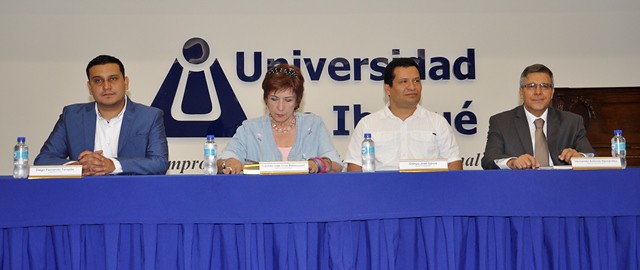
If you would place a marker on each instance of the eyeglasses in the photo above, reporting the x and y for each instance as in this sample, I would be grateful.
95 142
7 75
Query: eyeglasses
533 86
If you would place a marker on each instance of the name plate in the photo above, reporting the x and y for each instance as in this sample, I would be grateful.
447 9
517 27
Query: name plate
55 171
284 167
596 163
424 165
251 169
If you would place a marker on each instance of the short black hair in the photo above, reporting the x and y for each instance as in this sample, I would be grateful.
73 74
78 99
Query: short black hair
389 74
105 59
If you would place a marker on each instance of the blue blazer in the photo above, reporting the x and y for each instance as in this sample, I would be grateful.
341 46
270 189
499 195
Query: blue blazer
142 146
254 140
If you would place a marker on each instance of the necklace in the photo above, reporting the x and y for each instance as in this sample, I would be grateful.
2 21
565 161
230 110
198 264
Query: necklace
284 129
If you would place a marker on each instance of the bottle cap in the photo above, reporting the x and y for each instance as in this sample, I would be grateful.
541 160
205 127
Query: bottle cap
210 137
617 132
367 135
21 139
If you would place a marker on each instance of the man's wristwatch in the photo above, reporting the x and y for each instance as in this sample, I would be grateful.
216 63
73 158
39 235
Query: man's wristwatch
224 164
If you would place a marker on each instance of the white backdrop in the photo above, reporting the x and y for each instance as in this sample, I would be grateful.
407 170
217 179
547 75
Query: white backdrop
46 45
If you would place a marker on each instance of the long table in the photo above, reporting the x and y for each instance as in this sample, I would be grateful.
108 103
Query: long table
537 219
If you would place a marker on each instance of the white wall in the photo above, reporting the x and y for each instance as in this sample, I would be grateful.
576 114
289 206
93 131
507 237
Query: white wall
46 46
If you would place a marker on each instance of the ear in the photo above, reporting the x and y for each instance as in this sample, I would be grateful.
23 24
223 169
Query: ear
126 83
387 89
521 93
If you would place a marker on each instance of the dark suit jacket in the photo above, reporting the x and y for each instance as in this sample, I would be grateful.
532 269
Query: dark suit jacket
509 136
142 146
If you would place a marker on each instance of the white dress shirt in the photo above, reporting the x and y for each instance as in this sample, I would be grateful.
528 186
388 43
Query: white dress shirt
424 134
108 136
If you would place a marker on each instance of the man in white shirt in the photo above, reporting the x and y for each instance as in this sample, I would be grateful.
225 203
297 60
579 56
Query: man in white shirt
511 137
403 129
111 135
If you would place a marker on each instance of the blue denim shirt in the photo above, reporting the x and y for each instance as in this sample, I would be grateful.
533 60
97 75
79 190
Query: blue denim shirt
254 141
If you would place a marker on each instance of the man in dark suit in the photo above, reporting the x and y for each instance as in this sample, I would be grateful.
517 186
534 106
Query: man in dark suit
511 137
111 135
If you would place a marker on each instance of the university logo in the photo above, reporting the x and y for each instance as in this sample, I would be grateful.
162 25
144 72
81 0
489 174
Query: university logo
196 96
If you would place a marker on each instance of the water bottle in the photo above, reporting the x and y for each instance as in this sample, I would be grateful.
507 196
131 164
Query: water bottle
210 154
20 159
368 154
619 147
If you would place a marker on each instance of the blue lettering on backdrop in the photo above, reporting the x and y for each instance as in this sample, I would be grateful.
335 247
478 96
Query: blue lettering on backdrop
337 65
458 65
197 98
342 119
257 68
440 70
314 75
344 69
464 118
377 67
357 72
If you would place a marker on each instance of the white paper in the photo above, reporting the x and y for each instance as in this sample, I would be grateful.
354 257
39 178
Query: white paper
596 163
423 165
55 171
284 167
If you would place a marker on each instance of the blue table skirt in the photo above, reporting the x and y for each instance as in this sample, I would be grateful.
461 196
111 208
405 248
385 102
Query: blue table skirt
411 243
455 220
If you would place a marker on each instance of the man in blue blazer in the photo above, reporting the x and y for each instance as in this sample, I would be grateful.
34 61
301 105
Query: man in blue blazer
112 135
510 141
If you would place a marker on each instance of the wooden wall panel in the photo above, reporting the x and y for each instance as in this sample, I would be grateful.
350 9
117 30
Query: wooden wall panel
604 110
